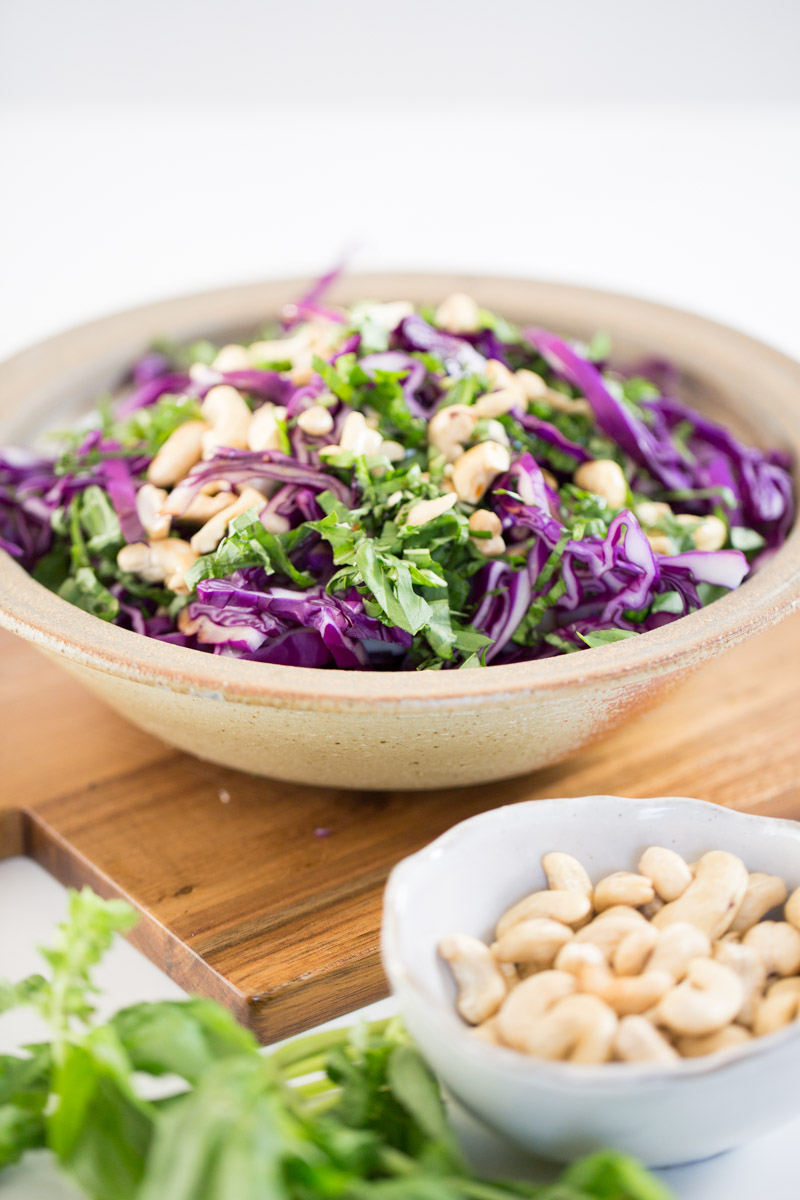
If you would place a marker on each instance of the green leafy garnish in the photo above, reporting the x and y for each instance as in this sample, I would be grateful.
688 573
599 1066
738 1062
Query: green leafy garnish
745 539
249 544
348 1114
602 637
150 427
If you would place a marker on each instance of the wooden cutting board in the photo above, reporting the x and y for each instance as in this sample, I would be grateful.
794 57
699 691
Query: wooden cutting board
267 895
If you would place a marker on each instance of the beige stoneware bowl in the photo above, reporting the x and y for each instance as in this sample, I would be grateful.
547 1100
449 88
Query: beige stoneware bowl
380 730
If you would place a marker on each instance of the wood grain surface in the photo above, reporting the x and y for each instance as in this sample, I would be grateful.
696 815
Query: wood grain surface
267 895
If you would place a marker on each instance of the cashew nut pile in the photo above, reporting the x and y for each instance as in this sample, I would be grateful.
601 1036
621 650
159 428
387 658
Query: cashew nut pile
671 961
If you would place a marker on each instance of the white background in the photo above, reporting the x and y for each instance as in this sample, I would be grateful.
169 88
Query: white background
153 148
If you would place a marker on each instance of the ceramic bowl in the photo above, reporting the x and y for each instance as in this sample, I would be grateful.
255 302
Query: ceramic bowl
465 879
411 730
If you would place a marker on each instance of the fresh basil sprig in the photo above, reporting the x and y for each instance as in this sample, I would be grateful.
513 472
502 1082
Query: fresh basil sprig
349 1114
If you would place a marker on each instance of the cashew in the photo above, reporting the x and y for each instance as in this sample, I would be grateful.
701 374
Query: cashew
577 1028
637 1040
498 374
535 388
710 534
677 946
626 994
458 313
780 1007
497 404
477 469
182 449
487 1032
209 536
608 930
623 887
264 432
149 509
509 972
393 451
648 514
535 942
449 428
316 421
428 510
574 956
163 561
791 910
751 971
294 349
564 873
570 908
764 892
603 477
532 385
481 986
713 897
358 437
625 911
202 373
660 544
729 1038
495 431
197 509
229 416
709 997
232 358
666 870
523 1009
484 521
389 314
777 944
632 953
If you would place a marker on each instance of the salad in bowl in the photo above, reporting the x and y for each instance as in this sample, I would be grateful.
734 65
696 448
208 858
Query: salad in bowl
393 487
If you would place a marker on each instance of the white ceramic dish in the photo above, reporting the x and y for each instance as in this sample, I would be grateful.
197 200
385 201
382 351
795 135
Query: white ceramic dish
466 878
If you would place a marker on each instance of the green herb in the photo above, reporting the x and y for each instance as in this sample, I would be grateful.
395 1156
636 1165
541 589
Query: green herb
636 389
180 356
89 527
148 428
353 1114
599 347
745 539
336 376
98 520
724 494
412 577
669 602
560 643
249 544
602 637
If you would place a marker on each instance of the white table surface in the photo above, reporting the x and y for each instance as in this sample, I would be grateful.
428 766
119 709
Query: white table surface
109 207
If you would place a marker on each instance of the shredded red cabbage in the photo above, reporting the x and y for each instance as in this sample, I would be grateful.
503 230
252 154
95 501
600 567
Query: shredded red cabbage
354 555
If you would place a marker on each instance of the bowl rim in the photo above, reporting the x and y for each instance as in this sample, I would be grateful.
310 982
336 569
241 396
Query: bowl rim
613 1076
43 618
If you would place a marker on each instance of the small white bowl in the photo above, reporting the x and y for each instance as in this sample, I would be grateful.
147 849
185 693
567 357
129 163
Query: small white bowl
664 1115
